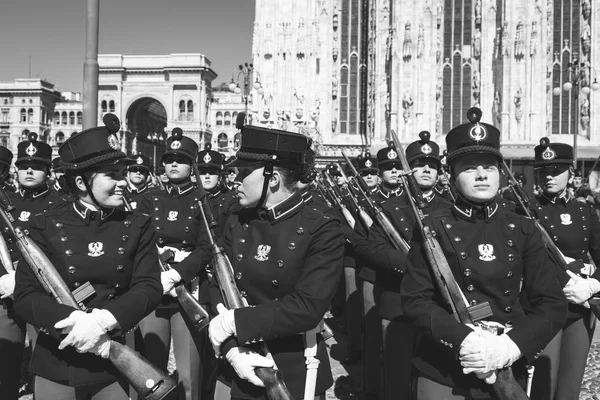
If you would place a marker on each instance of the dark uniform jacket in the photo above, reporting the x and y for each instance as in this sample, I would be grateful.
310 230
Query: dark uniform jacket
27 204
135 196
114 250
287 261
390 263
178 223
495 256
575 229
224 202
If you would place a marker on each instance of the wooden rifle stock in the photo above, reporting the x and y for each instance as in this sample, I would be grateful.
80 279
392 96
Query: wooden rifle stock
365 218
384 222
337 197
196 314
223 273
5 258
506 386
148 381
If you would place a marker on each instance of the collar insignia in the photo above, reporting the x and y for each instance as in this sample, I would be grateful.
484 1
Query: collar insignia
31 150
262 253
478 133
113 142
392 154
95 249
486 252
548 154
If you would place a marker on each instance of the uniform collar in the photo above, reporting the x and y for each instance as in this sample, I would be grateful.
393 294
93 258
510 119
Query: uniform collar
134 190
563 197
307 197
34 193
217 190
387 193
182 189
471 212
429 196
88 215
282 209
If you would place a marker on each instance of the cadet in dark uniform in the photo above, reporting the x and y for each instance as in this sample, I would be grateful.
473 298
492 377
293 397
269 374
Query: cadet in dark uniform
137 180
496 256
6 157
398 336
91 240
287 260
179 228
576 231
12 328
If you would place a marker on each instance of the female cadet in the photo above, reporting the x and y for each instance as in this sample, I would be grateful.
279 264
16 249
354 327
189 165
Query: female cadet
495 256
576 231
90 240
179 229
287 260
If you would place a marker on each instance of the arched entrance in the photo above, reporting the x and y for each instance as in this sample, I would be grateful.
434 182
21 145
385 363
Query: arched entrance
146 123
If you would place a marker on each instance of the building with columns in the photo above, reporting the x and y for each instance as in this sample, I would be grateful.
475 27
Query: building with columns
427 62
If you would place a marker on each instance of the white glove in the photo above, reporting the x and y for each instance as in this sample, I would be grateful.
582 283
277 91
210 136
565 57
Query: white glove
578 290
588 269
494 352
221 327
169 279
87 331
7 285
102 348
244 360
488 377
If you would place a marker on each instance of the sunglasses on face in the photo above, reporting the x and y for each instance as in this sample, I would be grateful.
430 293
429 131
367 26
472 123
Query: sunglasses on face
367 173
177 159
551 170
136 169
208 171
35 167
422 163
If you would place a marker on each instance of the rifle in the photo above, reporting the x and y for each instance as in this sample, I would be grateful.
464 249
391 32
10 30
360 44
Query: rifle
337 198
223 273
148 381
157 181
452 195
384 222
366 218
190 307
506 386
555 254
5 258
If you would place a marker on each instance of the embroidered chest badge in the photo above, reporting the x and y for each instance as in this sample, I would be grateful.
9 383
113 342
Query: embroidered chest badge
486 252
565 219
24 216
133 205
173 215
95 249
262 253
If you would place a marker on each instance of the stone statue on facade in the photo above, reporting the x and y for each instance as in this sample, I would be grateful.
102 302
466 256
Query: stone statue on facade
478 12
301 40
268 41
586 9
497 108
584 115
477 44
518 105
586 39
519 42
534 39
420 41
407 103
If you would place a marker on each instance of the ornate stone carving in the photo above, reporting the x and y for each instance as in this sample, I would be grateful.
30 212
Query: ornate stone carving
407 44
518 105
519 42
420 41
407 103
533 42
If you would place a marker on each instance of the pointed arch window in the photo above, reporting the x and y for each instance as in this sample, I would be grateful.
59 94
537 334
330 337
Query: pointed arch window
190 110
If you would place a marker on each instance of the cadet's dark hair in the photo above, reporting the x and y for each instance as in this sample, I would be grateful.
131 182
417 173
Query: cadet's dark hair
289 178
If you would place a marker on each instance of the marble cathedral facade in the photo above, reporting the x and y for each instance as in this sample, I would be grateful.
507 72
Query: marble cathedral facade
427 62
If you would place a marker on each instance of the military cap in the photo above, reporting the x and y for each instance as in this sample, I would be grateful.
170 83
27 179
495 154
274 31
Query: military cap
366 162
388 156
6 156
181 145
552 154
56 167
333 170
578 173
31 150
140 162
424 148
209 158
473 137
93 147
281 148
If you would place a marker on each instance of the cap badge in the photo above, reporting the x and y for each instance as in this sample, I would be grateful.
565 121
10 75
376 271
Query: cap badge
31 150
207 158
478 133
113 142
139 161
392 154
368 164
426 149
175 145
548 154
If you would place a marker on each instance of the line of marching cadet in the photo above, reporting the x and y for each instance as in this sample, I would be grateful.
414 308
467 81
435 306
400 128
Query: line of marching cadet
394 318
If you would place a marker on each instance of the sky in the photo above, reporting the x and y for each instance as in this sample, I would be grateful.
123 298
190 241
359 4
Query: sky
53 33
